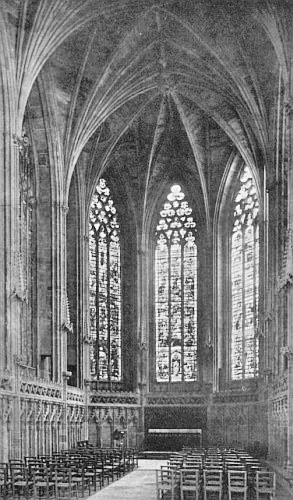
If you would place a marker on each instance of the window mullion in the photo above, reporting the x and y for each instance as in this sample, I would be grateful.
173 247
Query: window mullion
175 220
243 301
108 310
254 300
169 307
182 309
104 234
97 352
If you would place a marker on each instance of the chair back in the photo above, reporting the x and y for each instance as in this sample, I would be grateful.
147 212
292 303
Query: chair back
265 483
189 479
237 480
213 479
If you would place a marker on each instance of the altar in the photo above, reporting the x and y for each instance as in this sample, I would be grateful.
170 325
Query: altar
173 439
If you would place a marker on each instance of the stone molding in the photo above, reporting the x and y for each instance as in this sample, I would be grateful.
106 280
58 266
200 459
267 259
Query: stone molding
123 398
182 399
239 397
119 415
75 394
38 388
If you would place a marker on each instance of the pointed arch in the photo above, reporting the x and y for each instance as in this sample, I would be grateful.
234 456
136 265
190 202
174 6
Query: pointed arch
237 274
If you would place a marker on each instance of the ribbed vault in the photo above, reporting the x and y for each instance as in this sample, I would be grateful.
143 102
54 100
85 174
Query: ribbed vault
151 70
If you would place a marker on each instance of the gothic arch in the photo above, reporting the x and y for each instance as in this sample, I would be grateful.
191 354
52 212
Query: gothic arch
222 222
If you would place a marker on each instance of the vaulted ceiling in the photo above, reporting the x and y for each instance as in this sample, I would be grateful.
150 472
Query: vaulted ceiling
154 84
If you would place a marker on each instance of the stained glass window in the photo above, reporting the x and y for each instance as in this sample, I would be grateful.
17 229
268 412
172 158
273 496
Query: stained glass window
104 286
176 291
245 280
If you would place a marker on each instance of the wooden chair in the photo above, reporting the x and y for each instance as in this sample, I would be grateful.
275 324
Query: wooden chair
93 475
265 485
213 482
167 482
64 484
21 483
43 483
4 481
237 483
78 476
189 483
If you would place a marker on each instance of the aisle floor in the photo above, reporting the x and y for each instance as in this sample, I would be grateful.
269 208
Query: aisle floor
137 485
141 484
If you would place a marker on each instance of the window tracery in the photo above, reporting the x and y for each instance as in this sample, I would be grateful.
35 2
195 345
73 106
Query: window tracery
104 286
245 280
176 291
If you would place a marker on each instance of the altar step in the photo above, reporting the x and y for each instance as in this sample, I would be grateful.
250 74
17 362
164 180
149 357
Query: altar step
155 455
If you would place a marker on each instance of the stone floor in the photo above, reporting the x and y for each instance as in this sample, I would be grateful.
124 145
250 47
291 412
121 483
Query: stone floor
141 485
137 485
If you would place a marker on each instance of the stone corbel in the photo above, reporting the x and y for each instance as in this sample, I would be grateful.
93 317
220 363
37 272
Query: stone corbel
19 361
287 351
87 339
259 334
17 297
66 375
288 107
67 328
21 143
284 282
6 384
142 347
32 202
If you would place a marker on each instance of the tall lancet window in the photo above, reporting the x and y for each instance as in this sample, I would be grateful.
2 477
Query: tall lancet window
176 291
104 287
245 280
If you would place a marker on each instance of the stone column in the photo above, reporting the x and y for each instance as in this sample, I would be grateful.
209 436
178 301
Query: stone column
86 410
64 422
289 274
142 336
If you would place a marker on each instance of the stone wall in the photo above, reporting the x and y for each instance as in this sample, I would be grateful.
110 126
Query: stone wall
38 417
114 411
278 421
241 424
